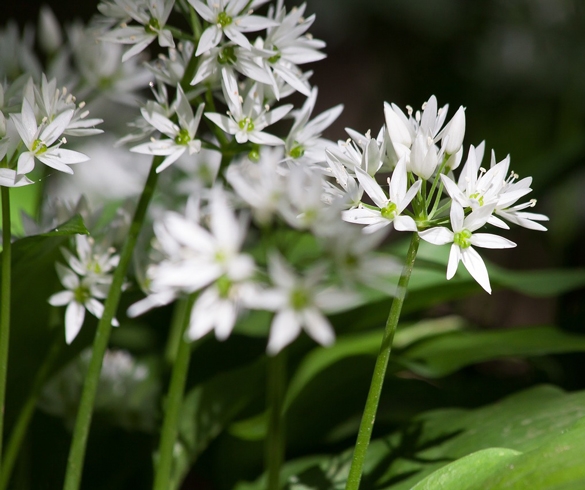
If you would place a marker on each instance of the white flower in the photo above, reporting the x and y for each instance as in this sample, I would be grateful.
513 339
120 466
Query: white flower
452 135
389 208
299 303
248 117
289 46
182 136
90 260
194 256
153 15
9 178
38 141
261 185
79 295
226 17
462 239
233 57
304 142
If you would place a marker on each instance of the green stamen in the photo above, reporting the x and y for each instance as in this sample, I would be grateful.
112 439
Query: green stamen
275 57
462 238
224 286
478 197
82 294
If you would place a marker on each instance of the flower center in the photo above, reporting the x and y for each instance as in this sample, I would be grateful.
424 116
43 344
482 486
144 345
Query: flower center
389 211
182 137
297 151
227 56
38 147
224 286
82 294
462 238
477 197
275 57
153 26
299 299
246 124
224 19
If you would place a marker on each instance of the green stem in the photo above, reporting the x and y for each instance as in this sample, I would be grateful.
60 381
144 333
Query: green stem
274 448
173 404
100 344
176 332
25 415
369 415
4 305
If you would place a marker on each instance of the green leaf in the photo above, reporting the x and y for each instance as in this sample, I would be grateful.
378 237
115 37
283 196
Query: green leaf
469 472
445 354
75 226
534 422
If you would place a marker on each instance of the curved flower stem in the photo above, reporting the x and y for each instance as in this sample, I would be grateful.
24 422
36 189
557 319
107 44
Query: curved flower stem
274 447
173 404
26 412
4 306
369 414
102 336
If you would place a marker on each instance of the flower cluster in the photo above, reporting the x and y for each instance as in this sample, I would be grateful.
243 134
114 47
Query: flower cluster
86 279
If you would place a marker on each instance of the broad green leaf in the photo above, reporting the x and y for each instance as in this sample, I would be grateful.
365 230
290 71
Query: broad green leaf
557 464
535 420
251 429
469 472
444 354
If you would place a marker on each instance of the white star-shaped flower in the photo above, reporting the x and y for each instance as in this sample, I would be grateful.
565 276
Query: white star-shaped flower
38 141
181 137
462 238
389 208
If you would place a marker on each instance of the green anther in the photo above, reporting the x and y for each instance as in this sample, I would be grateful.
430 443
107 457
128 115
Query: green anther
82 294
478 197
297 151
246 124
183 137
95 267
389 212
38 147
227 56
254 156
462 238
299 299
224 19
153 26
223 285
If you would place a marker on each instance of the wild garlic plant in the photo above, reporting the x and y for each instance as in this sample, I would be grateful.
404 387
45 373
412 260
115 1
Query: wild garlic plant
218 106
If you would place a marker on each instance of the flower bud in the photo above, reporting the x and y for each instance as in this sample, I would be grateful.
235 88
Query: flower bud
50 38
423 157
454 133
397 130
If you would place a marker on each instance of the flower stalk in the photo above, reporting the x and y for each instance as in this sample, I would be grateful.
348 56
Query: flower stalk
85 411
274 446
4 306
369 414
174 402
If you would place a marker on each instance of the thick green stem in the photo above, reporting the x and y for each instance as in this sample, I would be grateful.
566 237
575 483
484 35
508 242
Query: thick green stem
369 415
4 306
25 415
274 448
100 344
173 404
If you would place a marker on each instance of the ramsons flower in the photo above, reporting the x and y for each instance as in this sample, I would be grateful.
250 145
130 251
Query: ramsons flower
389 209
462 237
181 137
39 141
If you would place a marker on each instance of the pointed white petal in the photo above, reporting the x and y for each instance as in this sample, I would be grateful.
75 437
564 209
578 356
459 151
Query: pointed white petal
284 329
488 240
74 316
476 267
